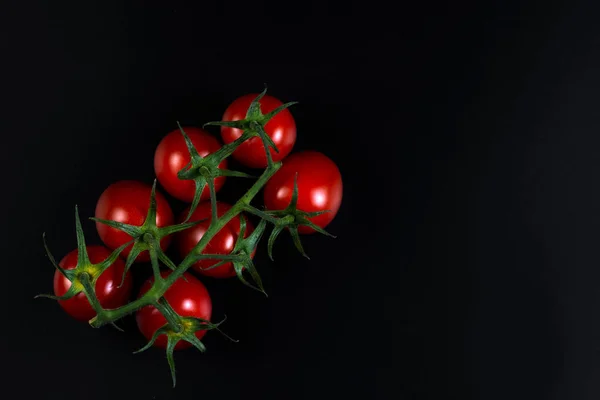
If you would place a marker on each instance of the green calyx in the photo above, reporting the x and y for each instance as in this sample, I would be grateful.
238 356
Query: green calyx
204 170
291 218
147 237
254 124
241 255
85 274
180 328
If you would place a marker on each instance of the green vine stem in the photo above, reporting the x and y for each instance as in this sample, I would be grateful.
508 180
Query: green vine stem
158 289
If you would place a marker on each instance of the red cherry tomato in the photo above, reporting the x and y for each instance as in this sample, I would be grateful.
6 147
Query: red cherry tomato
319 187
188 299
281 128
107 290
128 202
222 243
172 156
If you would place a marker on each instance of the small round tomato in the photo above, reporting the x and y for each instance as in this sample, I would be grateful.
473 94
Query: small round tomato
188 298
281 129
172 156
107 290
128 202
319 187
222 243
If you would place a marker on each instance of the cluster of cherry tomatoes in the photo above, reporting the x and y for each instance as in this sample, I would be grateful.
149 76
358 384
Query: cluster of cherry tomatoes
319 188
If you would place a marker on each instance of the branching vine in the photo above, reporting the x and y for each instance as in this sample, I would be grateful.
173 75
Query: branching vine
147 237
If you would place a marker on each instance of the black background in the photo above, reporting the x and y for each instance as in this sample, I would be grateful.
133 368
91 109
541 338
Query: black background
466 262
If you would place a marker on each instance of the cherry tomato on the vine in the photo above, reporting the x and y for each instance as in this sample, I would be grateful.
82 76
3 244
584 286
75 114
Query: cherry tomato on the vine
107 290
172 156
222 243
128 202
189 298
281 128
319 187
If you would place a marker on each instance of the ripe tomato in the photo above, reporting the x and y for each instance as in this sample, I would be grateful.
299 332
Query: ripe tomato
188 299
222 243
319 187
172 155
107 290
281 128
128 202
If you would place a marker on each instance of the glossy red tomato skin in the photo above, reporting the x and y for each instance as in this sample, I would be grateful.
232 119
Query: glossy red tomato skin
281 128
222 243
172 156
319 187
128 202
107 290
188 299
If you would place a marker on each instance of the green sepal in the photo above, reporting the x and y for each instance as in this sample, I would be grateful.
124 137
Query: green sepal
82 254
315 213
296 239
66 273
274 233
160 331
171 229
196 342
171 342
267 117
136 250
254 112
238 174
200 324
190 146
238 124
222 262
166 260
72 292
151 215
291 218
264 215
90 292
200 183
251 242
268 142
104 265
224 258
249 266
190 172
227 149
294 200
317 228
131 230
117 327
